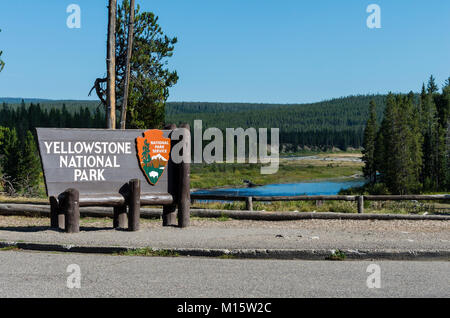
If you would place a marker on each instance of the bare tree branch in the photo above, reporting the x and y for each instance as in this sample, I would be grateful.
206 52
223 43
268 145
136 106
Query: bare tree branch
101 92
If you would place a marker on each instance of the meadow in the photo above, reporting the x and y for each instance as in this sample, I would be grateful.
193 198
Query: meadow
220 175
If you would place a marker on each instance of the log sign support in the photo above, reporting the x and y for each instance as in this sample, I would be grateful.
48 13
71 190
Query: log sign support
184 202
169 215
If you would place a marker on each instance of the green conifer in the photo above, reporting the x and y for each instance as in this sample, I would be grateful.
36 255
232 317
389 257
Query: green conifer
29 166
370 135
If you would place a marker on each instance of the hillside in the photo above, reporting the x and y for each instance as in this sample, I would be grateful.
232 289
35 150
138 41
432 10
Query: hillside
332 123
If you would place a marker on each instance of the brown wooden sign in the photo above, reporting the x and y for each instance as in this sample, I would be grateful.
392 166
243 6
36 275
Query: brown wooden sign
96 161
120 168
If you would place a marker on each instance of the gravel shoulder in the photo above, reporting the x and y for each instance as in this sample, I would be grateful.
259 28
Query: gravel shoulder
403 235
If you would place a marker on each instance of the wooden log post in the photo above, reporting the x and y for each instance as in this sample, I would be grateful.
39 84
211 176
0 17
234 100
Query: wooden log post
61 219
120 217
71 208
169 215
54 213
134 205
57 214
249 204
361 204
184 194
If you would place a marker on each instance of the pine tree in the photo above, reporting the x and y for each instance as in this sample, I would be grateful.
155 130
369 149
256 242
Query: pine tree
151 79
411 154
397 147
446 93
416 143
380 154
435 118
29 166
370 135
399 135
3 130
443 112
9 159
432 87
430 138
386 142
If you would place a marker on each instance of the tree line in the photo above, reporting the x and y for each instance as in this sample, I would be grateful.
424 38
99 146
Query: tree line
20 171
334 123
19 160
25 117
408 152
337 122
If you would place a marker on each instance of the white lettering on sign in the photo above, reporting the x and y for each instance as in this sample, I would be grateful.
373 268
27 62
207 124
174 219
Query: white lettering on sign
88 175
88 158
88 162
159 146
96 147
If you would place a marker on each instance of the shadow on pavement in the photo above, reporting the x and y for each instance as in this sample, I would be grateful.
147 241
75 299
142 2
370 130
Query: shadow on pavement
32 229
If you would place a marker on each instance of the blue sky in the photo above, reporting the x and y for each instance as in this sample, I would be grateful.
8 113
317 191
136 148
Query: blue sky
286 51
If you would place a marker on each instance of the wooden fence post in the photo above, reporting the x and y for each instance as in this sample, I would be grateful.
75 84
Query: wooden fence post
361 204
249 203
71 207
134 209
169 215
184 194
120 217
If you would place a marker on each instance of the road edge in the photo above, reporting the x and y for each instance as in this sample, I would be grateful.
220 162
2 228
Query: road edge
288 254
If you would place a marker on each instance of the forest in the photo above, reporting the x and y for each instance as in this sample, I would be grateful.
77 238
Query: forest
333 123
409 152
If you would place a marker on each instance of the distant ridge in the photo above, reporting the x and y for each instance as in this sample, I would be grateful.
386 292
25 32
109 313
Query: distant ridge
327 124
17 100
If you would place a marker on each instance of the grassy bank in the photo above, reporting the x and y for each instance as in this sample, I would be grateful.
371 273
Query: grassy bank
389 207
22 200
326 166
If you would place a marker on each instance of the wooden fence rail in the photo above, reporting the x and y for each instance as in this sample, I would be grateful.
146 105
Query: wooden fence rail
318 198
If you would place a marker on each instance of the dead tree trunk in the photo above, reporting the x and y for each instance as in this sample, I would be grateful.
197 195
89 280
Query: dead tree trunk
123 115
111 66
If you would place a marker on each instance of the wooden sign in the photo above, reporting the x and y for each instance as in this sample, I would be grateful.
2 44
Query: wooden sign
102 161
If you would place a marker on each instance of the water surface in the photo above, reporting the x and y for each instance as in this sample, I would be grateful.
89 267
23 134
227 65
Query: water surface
290 189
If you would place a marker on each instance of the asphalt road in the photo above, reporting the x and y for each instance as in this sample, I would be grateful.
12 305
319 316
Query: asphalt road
34 274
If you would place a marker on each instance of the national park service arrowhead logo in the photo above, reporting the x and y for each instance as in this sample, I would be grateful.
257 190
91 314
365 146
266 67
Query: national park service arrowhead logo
153 152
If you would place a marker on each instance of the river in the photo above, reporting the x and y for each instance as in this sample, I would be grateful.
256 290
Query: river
327 187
